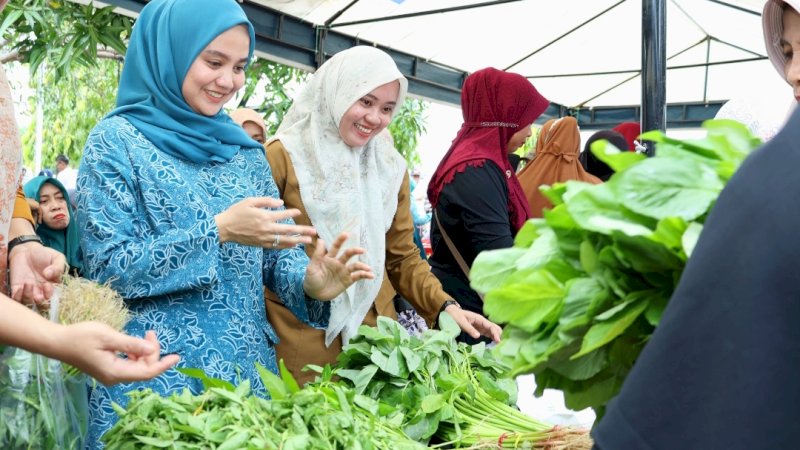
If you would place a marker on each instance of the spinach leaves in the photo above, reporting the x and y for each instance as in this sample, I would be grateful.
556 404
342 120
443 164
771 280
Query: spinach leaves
583 288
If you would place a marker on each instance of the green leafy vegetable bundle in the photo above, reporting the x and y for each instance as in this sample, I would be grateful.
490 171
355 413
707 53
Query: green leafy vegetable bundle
583 288
321 416
447 390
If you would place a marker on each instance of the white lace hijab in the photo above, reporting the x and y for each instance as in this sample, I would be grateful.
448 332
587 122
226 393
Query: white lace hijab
346 189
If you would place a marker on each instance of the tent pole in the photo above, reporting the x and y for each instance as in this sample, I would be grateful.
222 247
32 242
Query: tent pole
654 68
708 59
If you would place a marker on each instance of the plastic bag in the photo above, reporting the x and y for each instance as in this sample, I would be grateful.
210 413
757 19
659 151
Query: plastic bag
41 405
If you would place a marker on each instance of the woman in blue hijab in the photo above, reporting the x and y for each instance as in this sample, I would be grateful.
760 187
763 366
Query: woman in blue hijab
57 226
180 213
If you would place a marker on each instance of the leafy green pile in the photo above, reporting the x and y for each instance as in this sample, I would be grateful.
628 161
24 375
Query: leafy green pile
447 390
583 288
40 406
321 416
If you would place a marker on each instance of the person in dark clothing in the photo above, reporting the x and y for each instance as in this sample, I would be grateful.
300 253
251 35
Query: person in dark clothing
720 371
590 162
514 160
476 197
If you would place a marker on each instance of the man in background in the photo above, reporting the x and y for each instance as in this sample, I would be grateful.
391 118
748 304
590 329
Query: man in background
66 175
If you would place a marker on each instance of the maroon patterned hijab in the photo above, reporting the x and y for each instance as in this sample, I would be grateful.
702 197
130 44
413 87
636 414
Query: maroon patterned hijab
495 105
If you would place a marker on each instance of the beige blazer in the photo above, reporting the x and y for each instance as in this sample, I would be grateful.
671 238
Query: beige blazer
406 273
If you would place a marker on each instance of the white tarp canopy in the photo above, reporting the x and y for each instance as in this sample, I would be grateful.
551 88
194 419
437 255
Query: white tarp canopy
576 52
583 54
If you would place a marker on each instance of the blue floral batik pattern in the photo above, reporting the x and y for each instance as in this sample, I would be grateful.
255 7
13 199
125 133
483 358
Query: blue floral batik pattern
148 228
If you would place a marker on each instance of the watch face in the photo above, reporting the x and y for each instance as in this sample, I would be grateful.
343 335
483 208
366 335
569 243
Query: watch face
448 303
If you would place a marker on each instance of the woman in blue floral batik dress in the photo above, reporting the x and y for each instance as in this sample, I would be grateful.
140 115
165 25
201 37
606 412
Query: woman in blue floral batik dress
179 211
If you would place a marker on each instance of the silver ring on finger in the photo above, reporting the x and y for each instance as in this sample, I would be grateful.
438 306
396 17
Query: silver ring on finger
277 241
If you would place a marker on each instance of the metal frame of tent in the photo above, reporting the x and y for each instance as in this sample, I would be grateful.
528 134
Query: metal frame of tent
290 40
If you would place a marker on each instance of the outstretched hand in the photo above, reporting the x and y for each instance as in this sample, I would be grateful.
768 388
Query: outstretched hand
474 324
94 348
329 272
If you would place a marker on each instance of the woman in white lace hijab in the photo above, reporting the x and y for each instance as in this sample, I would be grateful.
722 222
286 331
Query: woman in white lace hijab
334 160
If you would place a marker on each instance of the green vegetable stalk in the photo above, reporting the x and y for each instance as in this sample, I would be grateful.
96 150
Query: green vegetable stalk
449 391
582 289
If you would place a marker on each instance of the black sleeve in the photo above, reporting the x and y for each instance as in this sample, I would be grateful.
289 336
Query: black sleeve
721 369
475 207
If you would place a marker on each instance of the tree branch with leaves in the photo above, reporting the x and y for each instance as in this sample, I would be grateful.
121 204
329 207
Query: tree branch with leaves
62 34
81 48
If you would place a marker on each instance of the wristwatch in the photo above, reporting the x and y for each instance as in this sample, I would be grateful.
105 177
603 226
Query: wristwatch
24 239
448 303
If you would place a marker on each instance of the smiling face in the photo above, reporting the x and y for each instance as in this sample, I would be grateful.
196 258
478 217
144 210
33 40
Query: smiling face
790 44
217 72
518 138
53 207
369 115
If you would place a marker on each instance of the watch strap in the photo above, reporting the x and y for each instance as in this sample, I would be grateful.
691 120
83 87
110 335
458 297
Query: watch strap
24 239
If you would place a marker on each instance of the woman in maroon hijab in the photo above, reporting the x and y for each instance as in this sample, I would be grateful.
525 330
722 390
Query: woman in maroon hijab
477 200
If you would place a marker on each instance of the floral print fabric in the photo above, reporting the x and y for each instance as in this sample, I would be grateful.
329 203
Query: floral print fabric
9 171
148 228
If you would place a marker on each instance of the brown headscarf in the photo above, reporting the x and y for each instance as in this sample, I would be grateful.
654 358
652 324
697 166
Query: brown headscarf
556 161
242 115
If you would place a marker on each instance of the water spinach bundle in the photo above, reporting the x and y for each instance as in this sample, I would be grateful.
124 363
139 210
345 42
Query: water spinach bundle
323 416
449 391
582 289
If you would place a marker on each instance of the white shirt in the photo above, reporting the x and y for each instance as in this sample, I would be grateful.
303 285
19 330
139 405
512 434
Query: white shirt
68 177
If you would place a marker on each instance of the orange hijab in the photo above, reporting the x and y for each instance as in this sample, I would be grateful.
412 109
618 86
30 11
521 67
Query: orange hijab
556 161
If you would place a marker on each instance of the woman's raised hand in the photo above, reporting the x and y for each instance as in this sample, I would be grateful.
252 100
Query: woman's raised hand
329 272
248 223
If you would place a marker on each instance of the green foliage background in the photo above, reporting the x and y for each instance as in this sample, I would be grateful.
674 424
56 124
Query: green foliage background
72 107
62 34
79 49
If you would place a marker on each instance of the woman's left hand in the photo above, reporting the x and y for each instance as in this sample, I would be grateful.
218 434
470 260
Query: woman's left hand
328 273
474 324
34 269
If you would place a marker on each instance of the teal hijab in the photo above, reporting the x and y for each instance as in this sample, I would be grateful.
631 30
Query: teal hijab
64 241
166 39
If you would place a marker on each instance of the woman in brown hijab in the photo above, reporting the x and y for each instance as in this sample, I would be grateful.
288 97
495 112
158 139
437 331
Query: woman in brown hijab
557 151
252 122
